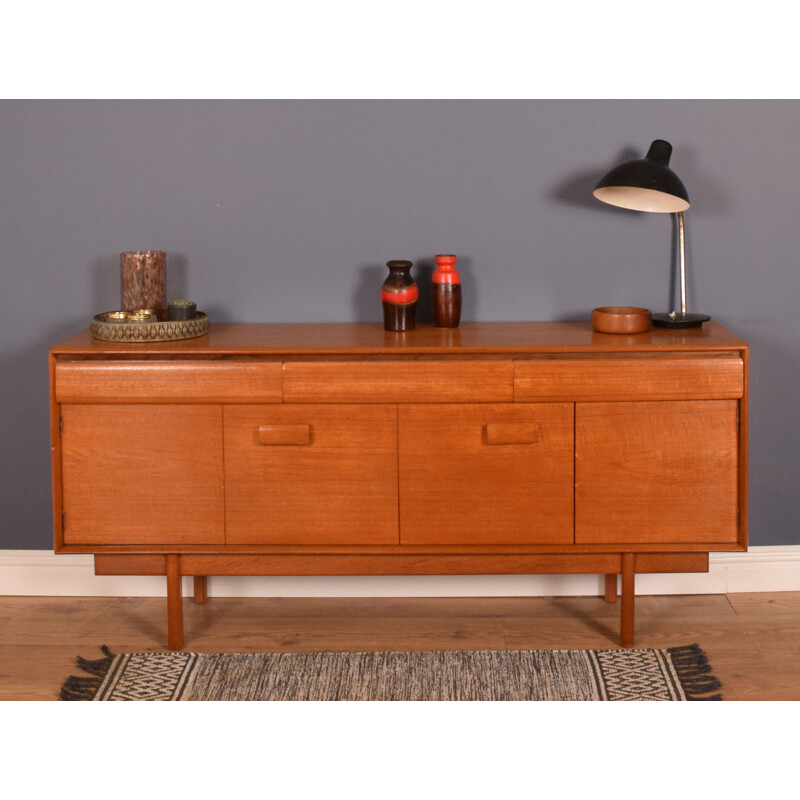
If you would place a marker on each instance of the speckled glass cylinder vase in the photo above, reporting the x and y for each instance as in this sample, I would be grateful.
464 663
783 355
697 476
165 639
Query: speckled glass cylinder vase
143 276
399 294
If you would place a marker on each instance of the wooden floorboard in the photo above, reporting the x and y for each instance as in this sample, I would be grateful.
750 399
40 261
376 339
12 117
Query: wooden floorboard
752 640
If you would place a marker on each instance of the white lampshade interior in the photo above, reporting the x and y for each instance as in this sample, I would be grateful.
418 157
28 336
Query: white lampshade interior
638 199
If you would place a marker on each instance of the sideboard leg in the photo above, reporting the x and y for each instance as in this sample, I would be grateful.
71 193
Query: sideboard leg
628 596
611 588
200 589
174 603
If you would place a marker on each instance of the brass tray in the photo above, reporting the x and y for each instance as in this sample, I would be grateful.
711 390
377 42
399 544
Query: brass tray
129 331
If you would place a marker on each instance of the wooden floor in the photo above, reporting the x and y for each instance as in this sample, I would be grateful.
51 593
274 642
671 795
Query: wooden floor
752 640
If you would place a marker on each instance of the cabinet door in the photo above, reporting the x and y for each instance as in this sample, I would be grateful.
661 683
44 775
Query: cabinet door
657 472
311 474
486 474
142 474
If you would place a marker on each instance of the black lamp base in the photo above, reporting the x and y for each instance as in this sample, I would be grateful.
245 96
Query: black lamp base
676 320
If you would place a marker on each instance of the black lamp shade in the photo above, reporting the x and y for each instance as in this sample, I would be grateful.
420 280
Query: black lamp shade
645 184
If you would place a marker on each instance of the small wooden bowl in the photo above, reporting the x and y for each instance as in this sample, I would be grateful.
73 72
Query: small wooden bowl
621 319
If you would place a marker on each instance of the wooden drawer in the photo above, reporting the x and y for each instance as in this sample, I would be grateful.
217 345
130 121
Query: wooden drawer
486 473
167 381
300 474
398 381
654 376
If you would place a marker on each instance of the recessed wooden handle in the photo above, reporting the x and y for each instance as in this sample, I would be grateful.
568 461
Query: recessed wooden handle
284 434
512 433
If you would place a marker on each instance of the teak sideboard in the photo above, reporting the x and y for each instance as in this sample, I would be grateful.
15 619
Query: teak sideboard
342 449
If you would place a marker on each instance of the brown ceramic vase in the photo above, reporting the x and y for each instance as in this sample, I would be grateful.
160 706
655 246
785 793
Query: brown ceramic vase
399 295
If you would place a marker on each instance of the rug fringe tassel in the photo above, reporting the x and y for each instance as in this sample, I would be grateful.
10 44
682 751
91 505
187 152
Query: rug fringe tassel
79 688
692 666
98 667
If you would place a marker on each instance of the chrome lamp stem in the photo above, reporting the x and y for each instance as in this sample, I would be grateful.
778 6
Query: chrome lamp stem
680 319
682 248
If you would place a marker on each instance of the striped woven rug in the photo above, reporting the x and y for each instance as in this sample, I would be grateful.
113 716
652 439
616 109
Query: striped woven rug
678 673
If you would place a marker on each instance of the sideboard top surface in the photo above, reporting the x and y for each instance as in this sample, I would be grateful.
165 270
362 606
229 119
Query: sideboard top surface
371 339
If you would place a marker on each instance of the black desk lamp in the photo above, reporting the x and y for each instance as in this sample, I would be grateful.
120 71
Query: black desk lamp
648 184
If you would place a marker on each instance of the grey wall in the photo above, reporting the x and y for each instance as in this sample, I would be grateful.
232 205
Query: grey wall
288 210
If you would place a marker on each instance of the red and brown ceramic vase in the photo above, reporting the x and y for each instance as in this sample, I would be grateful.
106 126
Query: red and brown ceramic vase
446 292
399 294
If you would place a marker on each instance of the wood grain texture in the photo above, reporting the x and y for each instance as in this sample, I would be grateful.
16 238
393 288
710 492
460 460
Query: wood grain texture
419 561
174 603
655 377
656 472
126 564
340 488
627 600
168 382
385 381
135 474
370 338
458 486
200 588
400 564
282 435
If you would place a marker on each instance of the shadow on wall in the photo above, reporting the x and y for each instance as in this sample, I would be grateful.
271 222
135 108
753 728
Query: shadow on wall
774 444
577 190
26 522
367 295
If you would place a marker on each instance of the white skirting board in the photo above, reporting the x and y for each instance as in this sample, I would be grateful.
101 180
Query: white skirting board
41 572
